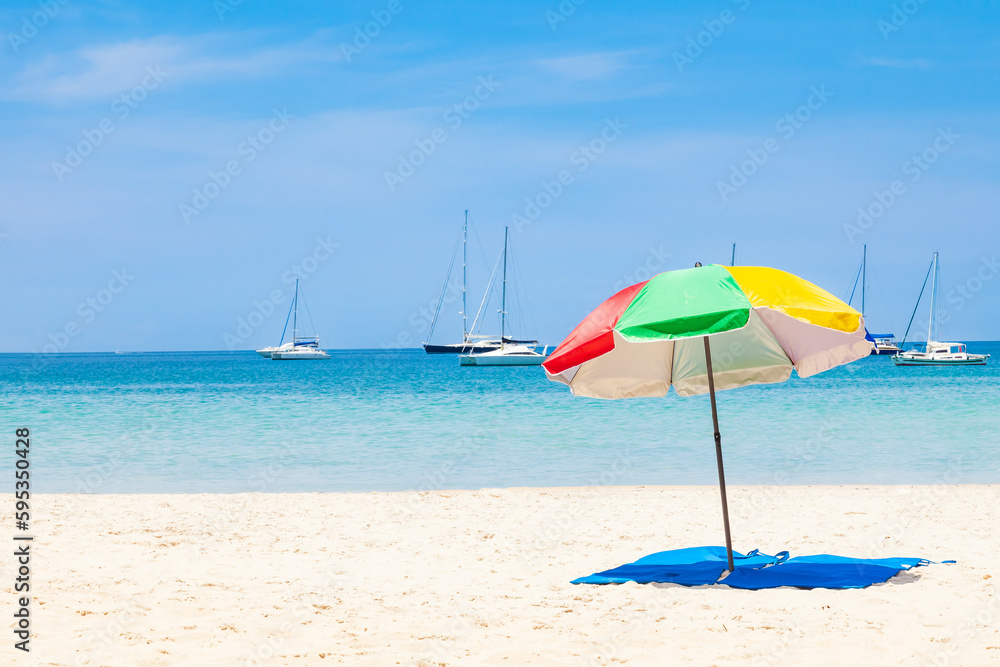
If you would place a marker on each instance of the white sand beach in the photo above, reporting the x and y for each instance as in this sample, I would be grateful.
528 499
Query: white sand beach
482 577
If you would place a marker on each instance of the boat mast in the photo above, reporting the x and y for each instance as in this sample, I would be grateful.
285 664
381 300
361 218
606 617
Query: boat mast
465 261
444 290
864 277
295 311
503 291
934 277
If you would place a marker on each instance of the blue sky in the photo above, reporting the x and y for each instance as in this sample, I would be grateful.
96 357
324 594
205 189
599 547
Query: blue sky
250 139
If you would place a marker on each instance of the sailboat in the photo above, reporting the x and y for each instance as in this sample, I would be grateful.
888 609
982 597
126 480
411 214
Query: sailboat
934 353
510 353
471 343
300 347
882 344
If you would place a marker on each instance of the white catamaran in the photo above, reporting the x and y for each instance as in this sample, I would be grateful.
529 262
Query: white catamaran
934 353
300 347
509 353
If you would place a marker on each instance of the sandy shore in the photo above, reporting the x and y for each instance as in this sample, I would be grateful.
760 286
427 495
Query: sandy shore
482 577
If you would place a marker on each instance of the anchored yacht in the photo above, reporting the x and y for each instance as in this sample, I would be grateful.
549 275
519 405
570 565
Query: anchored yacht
934 353
300 347
940 354
509 353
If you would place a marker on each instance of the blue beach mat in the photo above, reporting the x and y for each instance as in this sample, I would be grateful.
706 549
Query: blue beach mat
824 571
699 566
811 575
695 566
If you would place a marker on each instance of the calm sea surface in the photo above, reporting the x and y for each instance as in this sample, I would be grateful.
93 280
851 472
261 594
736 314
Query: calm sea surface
373 420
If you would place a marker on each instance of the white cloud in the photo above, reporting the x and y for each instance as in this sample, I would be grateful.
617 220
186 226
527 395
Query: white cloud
97 72
588 66
897 63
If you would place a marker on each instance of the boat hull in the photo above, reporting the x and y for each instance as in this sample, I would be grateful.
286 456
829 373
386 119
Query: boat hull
474 348
972 361
299 356
458 348
268 352
510 360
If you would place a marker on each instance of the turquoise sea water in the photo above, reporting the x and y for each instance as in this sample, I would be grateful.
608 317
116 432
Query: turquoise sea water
375 420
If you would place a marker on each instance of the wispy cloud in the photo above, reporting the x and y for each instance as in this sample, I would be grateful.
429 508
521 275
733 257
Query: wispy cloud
588 66
95 72
896 63
573 79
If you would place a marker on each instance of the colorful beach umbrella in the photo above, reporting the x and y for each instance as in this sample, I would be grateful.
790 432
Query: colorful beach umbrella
707 328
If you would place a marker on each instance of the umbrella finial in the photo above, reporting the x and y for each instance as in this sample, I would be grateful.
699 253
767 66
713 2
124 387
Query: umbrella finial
697 265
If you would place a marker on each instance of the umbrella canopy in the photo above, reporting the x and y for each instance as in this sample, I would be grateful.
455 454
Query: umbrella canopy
703 328
763 323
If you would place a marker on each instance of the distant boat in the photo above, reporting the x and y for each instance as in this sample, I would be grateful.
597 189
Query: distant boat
882 344
507 354
471 343
300 347
302 351
940 354
266 352
476 344
934 353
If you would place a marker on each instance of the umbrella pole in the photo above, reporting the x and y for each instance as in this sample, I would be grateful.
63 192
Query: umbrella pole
718 452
